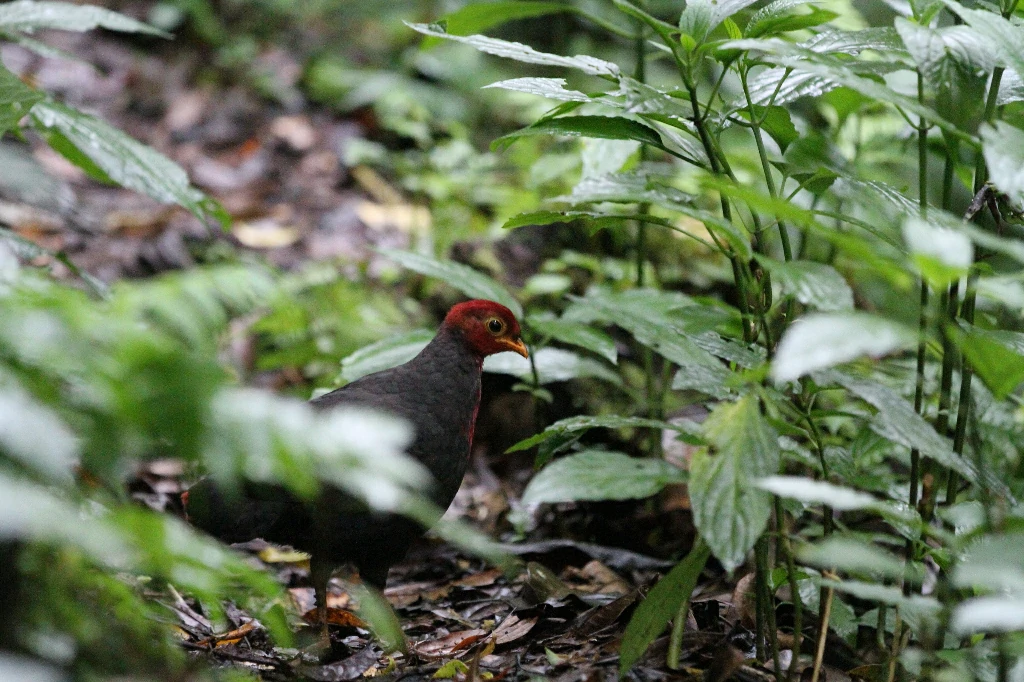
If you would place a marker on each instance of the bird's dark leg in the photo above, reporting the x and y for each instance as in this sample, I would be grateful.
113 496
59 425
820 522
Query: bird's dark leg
320 573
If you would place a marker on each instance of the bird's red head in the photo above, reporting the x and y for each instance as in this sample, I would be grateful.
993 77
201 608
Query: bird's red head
487 326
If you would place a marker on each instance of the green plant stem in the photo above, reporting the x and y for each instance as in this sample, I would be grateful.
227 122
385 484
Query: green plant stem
827 593
798 606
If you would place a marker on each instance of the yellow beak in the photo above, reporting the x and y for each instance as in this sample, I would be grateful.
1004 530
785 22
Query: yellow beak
515 345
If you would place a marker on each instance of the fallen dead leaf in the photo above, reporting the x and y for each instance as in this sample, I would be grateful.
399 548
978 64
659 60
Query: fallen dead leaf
265 234
512 628
335 616
481 579
449 645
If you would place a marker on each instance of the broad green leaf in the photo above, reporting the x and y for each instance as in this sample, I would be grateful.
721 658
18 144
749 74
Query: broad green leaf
1003 146
576 334
1003 35
778 17
552 88
21 668
996 356
573 427
920 612
835 72
665 601
992 563
552 364
16 99
941 52
897 421
729 510
996 613
601 157
823 340
384 354
600 475
854 556
942 254
701 17
814 284
469 281
108 155
29 15
479 16
700 370
628 187
522 53
809 491
605 127
775 121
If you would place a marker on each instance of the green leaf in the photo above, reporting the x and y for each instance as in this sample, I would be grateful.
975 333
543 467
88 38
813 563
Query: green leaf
665 601
897 421
941 53
378 614
729 510
775 121
701 17
22 420
600 475
809 491
29 15
814 284
996 613
639 315
1003 35
384 354
992 563
995 356
1003 146
522 53
576 334
553 364
778 17
942 254
552 88
469 281
573 427
16 99
108 154
477 17
854 556
605 127
823 340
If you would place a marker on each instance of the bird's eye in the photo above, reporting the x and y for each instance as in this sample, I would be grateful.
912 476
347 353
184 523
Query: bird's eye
495 326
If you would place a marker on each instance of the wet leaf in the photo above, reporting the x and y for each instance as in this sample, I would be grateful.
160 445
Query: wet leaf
600 475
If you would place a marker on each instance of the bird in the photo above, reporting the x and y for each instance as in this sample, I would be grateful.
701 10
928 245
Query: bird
438 394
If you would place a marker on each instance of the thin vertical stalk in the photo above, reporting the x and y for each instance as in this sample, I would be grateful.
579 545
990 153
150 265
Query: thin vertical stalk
786 550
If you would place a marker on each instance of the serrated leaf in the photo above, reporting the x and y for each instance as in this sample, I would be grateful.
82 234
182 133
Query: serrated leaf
778 17
576 334
473 283
522 53
897 421
29 15
600 475
384 354
639 316
823 340
575 426
701 17
814 284
729 510
16 99
1003 35
992 563
480 16
552 364
663 603
551 88
605 127
1003 146
108 154
938 52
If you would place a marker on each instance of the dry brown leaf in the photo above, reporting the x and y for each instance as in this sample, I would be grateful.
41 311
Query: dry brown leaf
449 645
512 628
